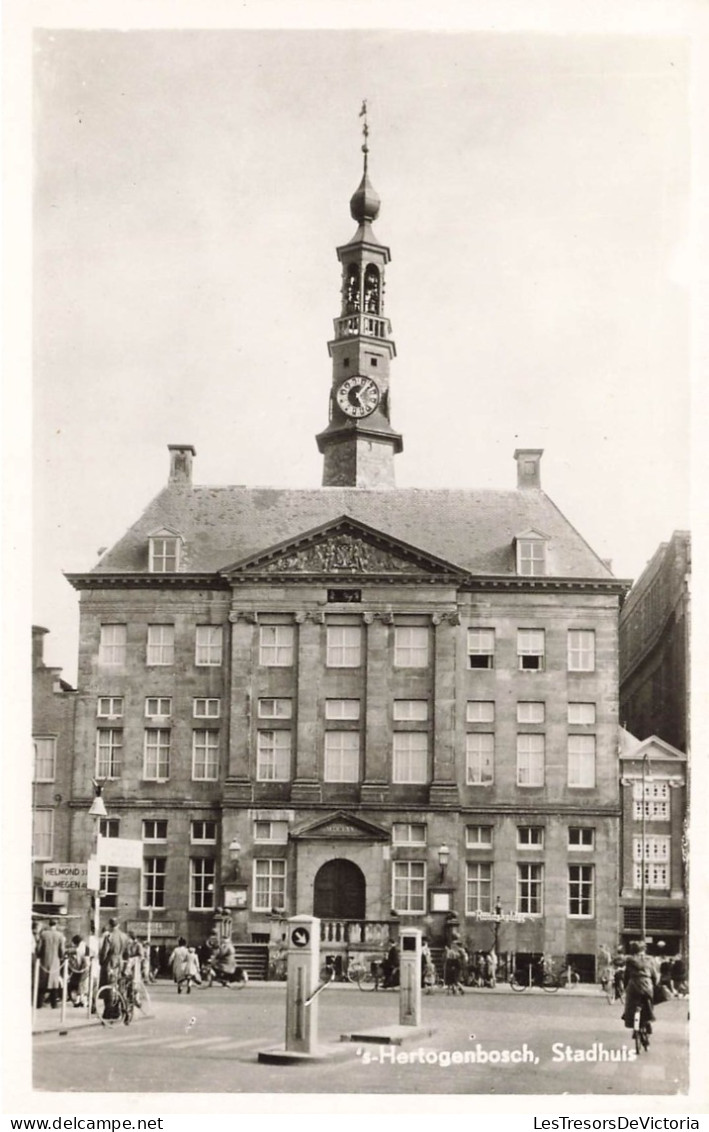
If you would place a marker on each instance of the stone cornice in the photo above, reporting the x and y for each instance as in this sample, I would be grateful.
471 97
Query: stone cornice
146 581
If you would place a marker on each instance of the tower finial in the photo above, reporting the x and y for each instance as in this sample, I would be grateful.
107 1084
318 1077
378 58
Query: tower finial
365 131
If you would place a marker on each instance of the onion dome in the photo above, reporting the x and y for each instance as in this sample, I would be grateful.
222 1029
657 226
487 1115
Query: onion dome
365 202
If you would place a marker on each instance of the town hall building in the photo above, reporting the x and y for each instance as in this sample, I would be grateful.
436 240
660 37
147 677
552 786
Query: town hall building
377 705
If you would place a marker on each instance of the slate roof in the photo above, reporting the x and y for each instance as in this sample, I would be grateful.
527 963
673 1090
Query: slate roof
474 530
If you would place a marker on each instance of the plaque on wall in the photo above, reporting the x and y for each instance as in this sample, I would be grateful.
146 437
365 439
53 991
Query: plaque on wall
235 897
440 901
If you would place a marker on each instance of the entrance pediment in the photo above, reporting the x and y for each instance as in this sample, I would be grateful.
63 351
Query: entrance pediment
340 826
341 549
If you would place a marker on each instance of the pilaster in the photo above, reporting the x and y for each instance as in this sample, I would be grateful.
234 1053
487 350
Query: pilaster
378 700
243 642
306 783
444 786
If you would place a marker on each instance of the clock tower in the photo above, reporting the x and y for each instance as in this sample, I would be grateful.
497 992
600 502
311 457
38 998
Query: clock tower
359 443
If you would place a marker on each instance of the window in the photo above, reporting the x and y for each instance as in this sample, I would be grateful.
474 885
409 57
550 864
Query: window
480 711
109 752
156 754
161 644
109 827
269 885
530 760
158 707
271 831
153 886
481 648
478 836
205 755
656 849
273 756
45 757
112 645
108 884
276 643
656 875
530 836
202 873
410 711
154 829
344 644
206 709
580 715
208 645
479 758
410 646
203 832
408 833
531 557
581 650
109 707
581 837
478 887
581 890
582 760
530 889
409 886
529 711
164 555
275 709
42 834
410 757
341 756
657 801
341 709
530 650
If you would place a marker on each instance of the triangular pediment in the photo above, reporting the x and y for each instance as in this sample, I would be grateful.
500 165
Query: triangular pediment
652 748
532 533
340 826
345 548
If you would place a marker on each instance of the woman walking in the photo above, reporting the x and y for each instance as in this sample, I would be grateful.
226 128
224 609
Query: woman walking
180 963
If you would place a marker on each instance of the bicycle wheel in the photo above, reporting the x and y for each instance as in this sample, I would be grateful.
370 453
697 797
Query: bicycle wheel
355 971
550 984
518 981
110 1005
366 980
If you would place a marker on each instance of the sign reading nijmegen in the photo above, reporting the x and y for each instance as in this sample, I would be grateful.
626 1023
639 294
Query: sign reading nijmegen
56 875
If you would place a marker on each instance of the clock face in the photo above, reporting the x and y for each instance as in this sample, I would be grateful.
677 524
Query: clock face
358 396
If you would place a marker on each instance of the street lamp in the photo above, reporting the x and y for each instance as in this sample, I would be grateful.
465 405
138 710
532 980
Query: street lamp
234 852
443 858
498 918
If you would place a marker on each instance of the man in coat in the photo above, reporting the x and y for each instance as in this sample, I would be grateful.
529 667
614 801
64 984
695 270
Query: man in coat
112 950
50 952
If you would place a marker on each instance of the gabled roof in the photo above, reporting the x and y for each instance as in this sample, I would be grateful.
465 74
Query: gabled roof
651 748
475 530
344 825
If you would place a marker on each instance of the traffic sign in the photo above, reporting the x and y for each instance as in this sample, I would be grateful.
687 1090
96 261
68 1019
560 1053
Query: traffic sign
300 937
55 875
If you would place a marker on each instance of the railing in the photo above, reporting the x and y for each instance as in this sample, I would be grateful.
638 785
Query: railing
348 933
367 325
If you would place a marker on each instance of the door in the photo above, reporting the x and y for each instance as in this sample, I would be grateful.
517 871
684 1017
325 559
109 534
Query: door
339 891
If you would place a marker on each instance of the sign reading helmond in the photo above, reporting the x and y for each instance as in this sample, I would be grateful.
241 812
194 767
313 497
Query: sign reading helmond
55 875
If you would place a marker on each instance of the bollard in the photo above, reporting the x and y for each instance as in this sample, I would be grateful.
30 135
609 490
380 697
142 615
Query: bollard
64 977
303 976
410 977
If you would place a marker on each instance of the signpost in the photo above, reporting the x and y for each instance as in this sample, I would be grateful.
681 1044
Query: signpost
65 876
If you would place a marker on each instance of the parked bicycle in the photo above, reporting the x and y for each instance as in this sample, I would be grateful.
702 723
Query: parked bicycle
118 1000
543 976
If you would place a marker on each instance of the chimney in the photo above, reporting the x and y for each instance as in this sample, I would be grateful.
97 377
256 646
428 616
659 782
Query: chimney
181 463
38 635
528 461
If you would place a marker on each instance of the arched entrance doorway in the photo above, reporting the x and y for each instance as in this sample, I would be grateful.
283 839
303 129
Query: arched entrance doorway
339 891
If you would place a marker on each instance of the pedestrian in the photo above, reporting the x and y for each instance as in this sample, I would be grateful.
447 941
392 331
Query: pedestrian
194 965
78 966
428 971
112 949
491 967
180 963
390 966
679 976
453 967
50 952
640 980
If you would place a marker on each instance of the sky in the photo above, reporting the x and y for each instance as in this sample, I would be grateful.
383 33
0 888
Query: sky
190 189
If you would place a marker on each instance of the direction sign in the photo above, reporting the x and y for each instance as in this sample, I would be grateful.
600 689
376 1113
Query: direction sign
300 937
55 875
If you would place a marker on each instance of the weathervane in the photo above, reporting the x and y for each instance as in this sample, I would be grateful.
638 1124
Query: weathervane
365 132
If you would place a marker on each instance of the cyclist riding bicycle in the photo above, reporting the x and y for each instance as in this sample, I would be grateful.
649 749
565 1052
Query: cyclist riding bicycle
640 979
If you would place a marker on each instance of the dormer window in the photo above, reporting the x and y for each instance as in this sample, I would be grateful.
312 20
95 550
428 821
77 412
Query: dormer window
531 550
164 553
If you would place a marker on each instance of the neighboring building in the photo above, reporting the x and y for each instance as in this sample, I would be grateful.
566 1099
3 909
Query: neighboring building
654 646
371 704
53 705
654 794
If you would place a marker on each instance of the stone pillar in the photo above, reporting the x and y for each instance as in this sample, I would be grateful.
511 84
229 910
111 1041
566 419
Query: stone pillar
377 738
306 784
444 786
243 630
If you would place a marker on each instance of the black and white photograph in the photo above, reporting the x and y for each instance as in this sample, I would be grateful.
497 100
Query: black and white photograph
361 564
